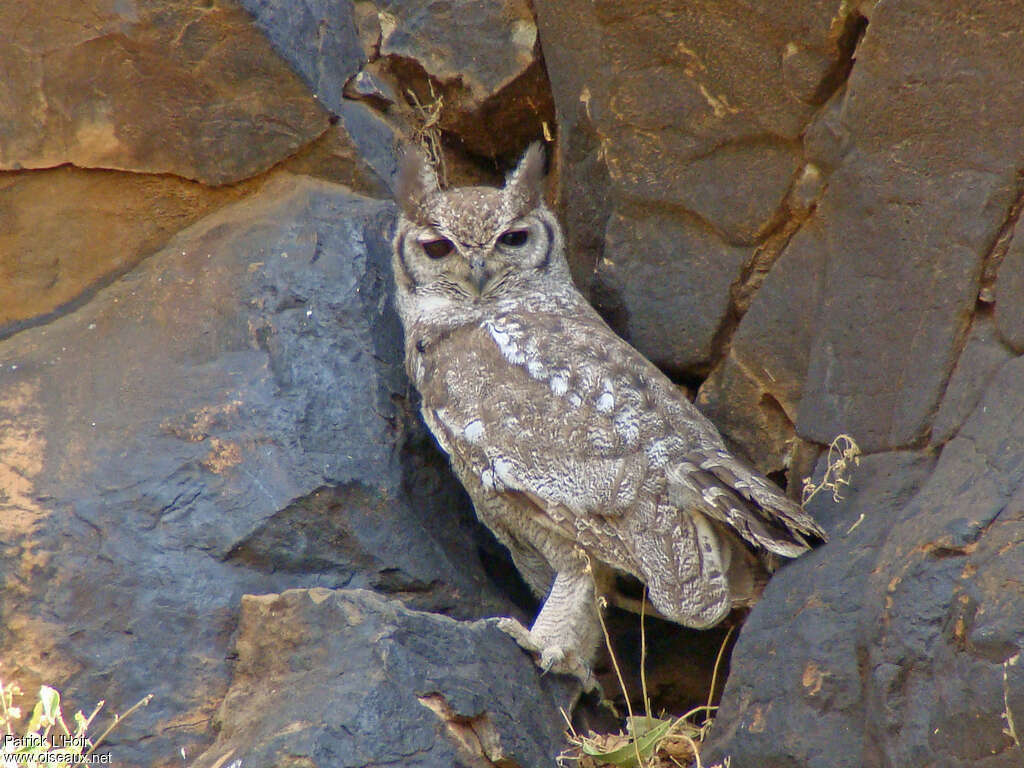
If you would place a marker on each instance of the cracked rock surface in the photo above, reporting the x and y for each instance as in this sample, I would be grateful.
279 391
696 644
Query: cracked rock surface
342 677
214 485
168 448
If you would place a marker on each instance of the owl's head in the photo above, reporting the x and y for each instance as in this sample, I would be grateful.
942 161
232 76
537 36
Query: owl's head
474 246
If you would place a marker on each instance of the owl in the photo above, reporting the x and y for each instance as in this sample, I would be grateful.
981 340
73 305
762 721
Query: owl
584 460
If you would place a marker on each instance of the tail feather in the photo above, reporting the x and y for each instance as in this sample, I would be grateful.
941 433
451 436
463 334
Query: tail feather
735 495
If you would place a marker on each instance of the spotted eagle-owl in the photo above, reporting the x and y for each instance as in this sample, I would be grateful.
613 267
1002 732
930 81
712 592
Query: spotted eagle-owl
580 455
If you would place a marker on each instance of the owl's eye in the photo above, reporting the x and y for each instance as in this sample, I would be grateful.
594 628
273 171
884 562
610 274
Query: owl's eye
438 249
515 238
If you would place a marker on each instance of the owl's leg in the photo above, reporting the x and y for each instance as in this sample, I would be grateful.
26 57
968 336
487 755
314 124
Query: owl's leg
567 631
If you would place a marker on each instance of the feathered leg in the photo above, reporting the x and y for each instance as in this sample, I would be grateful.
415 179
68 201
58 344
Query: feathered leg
567 629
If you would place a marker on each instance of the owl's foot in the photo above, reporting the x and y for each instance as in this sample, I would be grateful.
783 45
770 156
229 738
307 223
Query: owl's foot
552 657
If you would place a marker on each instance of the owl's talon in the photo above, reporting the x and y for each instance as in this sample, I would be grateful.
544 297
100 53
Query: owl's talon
517 632
552 658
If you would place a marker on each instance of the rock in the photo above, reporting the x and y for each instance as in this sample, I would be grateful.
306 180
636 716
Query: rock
910 223
318 38
748 416
163 87
374 137
65 230
338 157
1010 292
695 117
229 417
477 60
681 277
982 357
753 395
898 643
342 677
488 55
321 40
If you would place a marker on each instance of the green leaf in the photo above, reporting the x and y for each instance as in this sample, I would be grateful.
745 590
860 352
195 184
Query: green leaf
50 699
36 721
625 756
46 712
638 725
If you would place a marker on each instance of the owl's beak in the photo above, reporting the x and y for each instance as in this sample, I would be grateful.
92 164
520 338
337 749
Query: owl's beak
478 273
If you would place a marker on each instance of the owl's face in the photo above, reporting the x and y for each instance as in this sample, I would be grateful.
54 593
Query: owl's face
474 246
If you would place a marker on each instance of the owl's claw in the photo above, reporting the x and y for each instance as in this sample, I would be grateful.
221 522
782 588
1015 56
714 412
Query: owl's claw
552 658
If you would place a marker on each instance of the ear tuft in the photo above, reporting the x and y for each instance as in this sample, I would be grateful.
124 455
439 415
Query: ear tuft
526 182
415 182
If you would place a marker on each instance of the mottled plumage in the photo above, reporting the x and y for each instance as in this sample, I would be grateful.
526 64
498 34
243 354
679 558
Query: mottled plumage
580 455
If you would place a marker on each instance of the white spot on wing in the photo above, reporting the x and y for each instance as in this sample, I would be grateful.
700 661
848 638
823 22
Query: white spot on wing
489 482
474 431
509 349
501 338
503 472
559 384
606 401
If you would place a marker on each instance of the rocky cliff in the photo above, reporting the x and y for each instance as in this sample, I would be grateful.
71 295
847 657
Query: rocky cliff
213 483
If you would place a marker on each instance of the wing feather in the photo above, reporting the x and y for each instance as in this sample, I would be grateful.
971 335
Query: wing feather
606 450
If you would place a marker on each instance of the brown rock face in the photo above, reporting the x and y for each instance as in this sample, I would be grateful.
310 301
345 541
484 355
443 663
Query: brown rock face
1010 291
658 103
478 60
912 211
66 229
169 86
754 393
809 209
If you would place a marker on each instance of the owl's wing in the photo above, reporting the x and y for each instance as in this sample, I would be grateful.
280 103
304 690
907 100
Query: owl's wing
607 451
546 407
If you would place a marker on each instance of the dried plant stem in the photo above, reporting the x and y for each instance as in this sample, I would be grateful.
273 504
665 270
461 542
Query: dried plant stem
843 454
10 690
643 653
718 661
118 719
428 133
601 603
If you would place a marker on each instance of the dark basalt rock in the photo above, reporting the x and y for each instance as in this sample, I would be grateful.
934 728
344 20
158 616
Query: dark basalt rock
342 677
228 418
898 642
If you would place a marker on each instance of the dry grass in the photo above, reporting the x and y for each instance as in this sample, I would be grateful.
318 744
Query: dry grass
426 133
843 456
47 739
646 741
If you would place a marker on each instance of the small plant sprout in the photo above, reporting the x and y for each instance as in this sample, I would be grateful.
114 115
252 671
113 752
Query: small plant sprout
47 738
